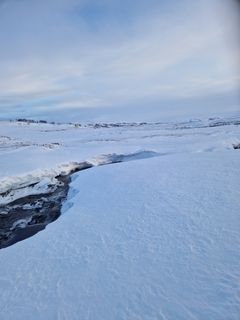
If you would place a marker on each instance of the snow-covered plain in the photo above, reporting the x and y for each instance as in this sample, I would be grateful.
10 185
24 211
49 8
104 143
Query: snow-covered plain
157 237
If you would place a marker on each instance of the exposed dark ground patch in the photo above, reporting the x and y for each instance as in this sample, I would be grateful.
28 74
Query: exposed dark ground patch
28 215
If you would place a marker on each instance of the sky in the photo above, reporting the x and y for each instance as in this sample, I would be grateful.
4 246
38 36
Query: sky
121 59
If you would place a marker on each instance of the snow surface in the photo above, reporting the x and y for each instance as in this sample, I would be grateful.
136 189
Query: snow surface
153 238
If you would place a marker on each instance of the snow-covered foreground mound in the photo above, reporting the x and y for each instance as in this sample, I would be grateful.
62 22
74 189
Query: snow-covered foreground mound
156 238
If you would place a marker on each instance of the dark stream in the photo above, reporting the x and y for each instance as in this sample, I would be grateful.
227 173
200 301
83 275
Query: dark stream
28 215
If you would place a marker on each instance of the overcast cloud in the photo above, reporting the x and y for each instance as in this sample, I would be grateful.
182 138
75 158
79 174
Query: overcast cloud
73 54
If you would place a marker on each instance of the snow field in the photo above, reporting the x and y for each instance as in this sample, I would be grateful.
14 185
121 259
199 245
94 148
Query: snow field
152 238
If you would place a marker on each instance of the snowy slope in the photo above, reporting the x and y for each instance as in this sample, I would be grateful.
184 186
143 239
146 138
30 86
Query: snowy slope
152 238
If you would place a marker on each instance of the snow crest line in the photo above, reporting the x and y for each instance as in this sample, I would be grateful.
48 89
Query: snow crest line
44 181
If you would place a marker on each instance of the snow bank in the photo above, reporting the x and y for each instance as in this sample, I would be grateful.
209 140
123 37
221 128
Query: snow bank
114 158
42 178
44 181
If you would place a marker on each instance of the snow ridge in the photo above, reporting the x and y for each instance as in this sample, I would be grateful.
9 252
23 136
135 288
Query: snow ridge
45 182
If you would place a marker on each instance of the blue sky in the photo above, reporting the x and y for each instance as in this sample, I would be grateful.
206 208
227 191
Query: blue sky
68 57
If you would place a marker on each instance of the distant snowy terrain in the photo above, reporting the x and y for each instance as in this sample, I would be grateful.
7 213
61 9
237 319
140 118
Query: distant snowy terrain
150 230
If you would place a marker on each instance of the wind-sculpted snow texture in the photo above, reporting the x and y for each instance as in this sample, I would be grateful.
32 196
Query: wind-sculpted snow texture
156 238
